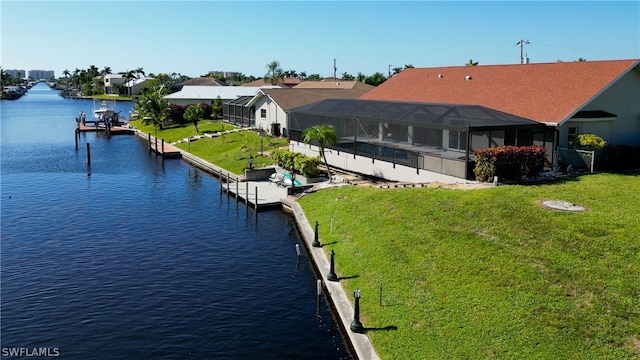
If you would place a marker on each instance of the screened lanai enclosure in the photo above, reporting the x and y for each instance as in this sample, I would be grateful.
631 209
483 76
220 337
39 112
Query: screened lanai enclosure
440 138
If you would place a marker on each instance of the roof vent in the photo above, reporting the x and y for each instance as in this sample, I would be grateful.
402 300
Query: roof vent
440 76
467 77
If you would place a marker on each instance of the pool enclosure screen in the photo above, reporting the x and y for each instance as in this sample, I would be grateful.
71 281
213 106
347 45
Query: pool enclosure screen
430 136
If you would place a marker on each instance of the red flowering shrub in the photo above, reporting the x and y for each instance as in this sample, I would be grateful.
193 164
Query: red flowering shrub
509 162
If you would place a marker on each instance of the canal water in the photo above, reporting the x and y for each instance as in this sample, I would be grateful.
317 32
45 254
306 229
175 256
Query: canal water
135 257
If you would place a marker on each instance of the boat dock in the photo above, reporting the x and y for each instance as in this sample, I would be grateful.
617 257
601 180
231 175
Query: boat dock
93 126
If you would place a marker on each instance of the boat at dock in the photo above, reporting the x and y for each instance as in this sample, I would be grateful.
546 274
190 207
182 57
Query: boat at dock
105 118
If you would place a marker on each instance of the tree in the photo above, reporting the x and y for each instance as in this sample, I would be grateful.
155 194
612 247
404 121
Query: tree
139 72
324 135
471 63
105 71
375 79
217 108
153 106
194 113
128 76
314 77
580 59
347 77
274 72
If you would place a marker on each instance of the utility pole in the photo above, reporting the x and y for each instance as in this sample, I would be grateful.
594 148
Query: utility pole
521 43
334 69
389 72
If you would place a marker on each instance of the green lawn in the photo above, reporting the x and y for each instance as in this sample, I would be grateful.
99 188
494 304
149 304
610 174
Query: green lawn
485 274
179 132
232 151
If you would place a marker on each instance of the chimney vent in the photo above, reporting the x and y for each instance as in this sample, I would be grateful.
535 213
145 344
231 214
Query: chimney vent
467 77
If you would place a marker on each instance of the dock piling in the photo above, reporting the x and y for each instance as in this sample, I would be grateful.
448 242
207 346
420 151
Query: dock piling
88 154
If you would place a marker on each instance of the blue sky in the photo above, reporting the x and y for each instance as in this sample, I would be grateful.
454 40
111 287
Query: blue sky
195 37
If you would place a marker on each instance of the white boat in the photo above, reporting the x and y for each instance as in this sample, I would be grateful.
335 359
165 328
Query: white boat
101 107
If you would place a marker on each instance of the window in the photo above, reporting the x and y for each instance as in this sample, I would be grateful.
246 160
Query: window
571 135
263 113
457 140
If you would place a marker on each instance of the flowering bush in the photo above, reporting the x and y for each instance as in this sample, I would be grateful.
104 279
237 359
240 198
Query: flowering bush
509 162
589 142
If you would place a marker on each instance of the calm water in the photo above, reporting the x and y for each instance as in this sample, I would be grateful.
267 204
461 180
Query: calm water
143 259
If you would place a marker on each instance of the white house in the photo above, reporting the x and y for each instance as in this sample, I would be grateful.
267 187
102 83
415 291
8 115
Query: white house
111 82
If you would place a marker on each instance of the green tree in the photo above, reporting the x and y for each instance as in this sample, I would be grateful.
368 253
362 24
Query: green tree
194 113
375 79
325 135
274 72
471 63
128 76
216 108
152 106
347 77
314 77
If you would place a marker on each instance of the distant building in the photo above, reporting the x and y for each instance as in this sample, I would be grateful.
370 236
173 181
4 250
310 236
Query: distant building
113 83
20 74
41 74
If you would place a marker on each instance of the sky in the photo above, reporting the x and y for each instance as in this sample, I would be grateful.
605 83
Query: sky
194 37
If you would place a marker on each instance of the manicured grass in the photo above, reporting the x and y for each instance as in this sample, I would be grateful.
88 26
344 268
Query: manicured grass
490 273
231 151
179 132
111 97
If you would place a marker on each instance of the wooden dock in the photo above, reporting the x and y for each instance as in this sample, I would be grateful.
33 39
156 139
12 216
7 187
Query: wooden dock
113 130
261 195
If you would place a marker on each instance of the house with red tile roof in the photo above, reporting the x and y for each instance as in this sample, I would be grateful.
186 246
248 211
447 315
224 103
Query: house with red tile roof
424 124
599 97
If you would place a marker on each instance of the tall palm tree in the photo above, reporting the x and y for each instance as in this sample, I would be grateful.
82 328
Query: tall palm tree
471 63
128 76
139 71
105 71
66 74
274 72
324 135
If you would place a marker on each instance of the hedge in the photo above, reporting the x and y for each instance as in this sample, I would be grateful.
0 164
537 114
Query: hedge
509 162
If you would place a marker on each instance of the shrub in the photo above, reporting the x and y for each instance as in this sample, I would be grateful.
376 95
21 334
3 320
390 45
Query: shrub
509 162
589 142
305 165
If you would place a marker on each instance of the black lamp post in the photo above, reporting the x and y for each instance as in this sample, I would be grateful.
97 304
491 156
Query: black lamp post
356 325
315 242
250 162
331 276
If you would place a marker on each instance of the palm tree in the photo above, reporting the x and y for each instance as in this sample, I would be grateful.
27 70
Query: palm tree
66 74
128 76
105 71
153 106
139 71
324 135
471 63
274 72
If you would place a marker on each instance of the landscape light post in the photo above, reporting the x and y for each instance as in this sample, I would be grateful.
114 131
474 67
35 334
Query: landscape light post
315 242
331 276
250 162
356 325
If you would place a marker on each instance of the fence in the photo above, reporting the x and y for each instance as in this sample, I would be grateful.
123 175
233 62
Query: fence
578 159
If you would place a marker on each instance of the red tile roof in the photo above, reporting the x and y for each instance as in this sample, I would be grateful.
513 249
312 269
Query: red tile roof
549 92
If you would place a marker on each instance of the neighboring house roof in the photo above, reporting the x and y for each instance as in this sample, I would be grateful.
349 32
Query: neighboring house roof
286 82
136 82
204 92
549 93
203 81
291 98
333 85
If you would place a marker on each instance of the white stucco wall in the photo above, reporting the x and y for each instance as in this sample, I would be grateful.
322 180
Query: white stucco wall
382 169
275 115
